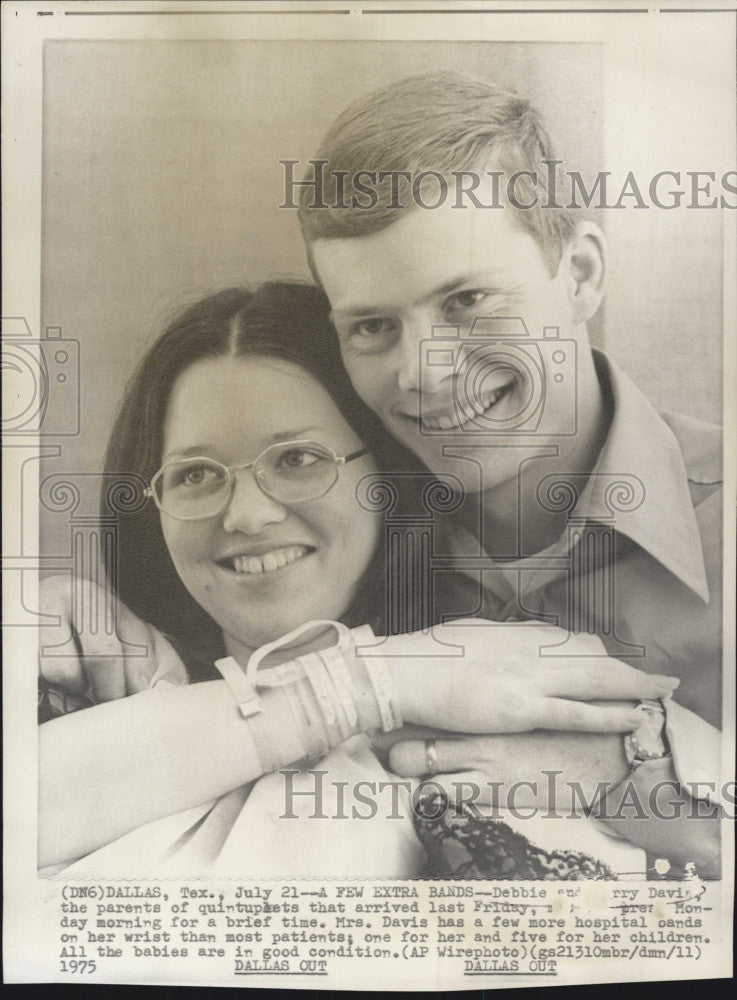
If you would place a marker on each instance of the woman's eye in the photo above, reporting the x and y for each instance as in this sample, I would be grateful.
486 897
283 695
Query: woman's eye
298 459
197 475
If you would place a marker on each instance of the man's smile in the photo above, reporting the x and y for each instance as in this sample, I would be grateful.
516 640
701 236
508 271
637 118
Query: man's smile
466 407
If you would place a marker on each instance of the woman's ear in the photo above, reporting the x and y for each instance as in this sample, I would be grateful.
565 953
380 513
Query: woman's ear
584 260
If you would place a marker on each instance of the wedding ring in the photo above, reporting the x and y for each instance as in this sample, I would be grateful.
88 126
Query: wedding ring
431 757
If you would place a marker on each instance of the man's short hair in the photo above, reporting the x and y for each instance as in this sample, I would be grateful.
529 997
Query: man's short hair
441 122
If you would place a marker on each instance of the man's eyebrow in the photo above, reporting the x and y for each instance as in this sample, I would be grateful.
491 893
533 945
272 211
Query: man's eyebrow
205 450
490 277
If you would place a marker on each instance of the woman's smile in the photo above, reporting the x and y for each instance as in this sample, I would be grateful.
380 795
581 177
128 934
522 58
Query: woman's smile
269 561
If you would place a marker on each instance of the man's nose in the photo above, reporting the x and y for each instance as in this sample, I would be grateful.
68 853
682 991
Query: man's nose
250 510
413 371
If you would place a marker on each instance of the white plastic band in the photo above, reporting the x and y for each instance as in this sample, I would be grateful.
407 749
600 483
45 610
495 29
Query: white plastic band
239 685
300 716
292 670
381 682
362 634
303 699
280 675
318 677
335 663
379 675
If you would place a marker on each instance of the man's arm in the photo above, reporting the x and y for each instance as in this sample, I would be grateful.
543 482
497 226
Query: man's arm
567 772
104 668
583 767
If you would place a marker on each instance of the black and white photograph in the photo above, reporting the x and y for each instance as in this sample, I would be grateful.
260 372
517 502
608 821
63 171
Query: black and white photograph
369 546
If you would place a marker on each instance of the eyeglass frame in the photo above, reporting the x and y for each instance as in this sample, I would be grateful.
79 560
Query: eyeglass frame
339 460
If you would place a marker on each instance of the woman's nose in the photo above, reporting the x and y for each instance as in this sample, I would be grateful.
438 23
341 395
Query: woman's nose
250 509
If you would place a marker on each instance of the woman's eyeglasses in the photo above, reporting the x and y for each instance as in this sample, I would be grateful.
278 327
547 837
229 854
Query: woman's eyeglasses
193 489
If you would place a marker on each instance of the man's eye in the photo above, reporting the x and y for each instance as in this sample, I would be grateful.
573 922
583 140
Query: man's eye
465 300
374 327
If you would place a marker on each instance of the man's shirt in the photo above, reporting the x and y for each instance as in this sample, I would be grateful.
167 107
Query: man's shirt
640 559
640 564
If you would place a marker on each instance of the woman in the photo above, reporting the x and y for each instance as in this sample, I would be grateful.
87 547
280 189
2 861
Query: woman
254 445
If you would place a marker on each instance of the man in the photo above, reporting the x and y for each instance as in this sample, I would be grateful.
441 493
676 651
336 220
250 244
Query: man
460 291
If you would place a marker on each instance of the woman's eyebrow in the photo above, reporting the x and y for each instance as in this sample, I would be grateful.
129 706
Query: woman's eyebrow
191 450
294 435
204 450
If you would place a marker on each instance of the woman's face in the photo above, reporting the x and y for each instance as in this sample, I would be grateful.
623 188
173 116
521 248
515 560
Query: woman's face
262 567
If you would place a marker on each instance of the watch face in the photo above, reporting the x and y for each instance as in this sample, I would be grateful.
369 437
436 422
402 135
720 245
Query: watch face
647 742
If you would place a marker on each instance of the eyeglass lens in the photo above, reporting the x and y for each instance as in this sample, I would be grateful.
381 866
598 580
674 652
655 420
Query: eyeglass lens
200 487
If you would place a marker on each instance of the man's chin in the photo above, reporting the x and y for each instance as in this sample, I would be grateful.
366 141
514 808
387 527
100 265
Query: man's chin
465 469
469 462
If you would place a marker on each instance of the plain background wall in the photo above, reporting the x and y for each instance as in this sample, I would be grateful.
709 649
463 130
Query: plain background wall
161 182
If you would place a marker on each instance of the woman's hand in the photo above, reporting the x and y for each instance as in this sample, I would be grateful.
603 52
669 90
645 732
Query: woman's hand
501 682
98 647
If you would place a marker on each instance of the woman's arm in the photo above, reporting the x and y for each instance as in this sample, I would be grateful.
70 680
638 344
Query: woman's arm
109 769
158 752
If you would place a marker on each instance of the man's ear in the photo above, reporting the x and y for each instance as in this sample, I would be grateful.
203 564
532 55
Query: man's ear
584 263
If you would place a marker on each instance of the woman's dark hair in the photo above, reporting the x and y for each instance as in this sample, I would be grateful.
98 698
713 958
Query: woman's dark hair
283 320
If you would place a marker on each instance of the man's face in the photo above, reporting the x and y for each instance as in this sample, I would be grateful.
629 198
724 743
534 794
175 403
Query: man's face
449 267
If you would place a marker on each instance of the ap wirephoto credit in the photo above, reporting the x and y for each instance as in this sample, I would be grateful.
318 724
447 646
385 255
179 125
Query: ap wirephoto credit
368 562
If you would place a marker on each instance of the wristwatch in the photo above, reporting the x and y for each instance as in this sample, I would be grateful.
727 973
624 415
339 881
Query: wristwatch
648 741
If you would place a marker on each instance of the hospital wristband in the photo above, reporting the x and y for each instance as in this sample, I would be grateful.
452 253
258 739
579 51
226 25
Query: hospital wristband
380 681
314 735
325 697
340 675
249 704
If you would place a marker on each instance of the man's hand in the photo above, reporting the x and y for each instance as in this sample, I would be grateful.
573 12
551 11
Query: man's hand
103 668
543 769
502 684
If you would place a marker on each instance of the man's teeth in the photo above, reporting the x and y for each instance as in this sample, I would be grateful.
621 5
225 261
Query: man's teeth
466 410
269 561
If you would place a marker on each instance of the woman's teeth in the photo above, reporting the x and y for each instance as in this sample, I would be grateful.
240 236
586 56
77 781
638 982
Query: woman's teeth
269 561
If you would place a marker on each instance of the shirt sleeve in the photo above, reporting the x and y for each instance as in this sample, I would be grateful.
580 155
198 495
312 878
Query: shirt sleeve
697 753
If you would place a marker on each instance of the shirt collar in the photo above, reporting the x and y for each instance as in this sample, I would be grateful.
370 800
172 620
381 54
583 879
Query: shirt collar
654 507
